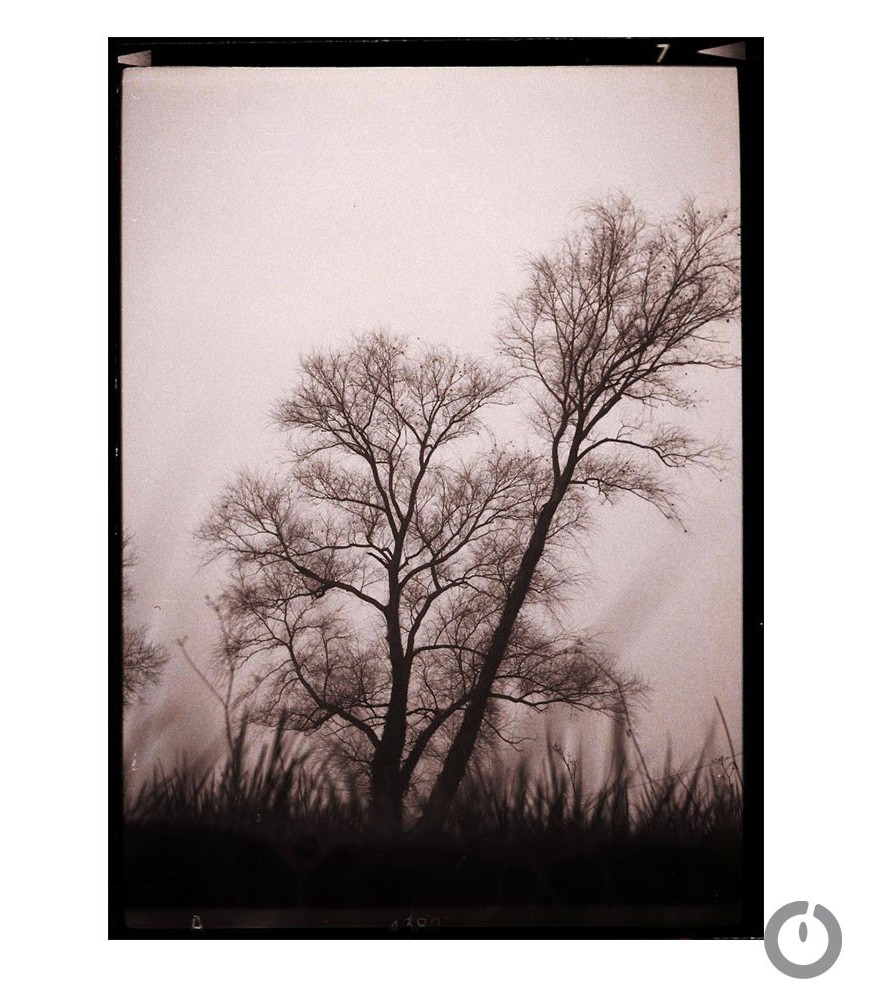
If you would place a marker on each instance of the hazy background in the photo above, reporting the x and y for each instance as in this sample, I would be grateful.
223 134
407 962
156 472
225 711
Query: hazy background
266 212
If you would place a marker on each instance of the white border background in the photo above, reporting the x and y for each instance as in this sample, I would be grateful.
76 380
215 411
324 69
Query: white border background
827 554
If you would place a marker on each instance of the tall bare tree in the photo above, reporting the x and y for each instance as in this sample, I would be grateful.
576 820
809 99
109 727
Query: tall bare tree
395 590
606 329
367 582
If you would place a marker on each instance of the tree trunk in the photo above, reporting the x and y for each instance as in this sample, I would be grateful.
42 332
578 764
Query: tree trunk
386 785
458 757
386 796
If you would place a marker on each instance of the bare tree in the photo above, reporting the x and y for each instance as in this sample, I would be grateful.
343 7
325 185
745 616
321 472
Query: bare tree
606 329
398 589
221 679
143 660
368 583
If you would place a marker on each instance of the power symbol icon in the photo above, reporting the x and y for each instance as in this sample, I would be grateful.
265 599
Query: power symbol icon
794 969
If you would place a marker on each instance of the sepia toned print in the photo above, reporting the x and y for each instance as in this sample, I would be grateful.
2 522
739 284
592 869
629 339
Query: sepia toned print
431 485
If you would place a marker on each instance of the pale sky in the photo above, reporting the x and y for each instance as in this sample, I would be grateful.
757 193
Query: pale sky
267 212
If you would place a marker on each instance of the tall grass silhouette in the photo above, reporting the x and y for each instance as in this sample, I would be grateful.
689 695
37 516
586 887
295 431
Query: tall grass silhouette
279 825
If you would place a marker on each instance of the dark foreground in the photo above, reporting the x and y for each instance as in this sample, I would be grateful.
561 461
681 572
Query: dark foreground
276 845
195 870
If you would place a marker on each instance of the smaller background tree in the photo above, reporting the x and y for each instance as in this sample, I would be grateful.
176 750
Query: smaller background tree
143 659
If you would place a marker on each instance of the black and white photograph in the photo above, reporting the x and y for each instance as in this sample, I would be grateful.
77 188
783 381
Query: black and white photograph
431 531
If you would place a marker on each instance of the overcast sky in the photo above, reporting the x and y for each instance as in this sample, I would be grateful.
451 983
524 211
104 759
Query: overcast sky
267 212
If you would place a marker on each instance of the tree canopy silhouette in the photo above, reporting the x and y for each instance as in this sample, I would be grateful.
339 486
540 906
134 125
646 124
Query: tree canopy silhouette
397 588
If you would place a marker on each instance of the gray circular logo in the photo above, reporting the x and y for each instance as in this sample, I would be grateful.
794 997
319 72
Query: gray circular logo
772 940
